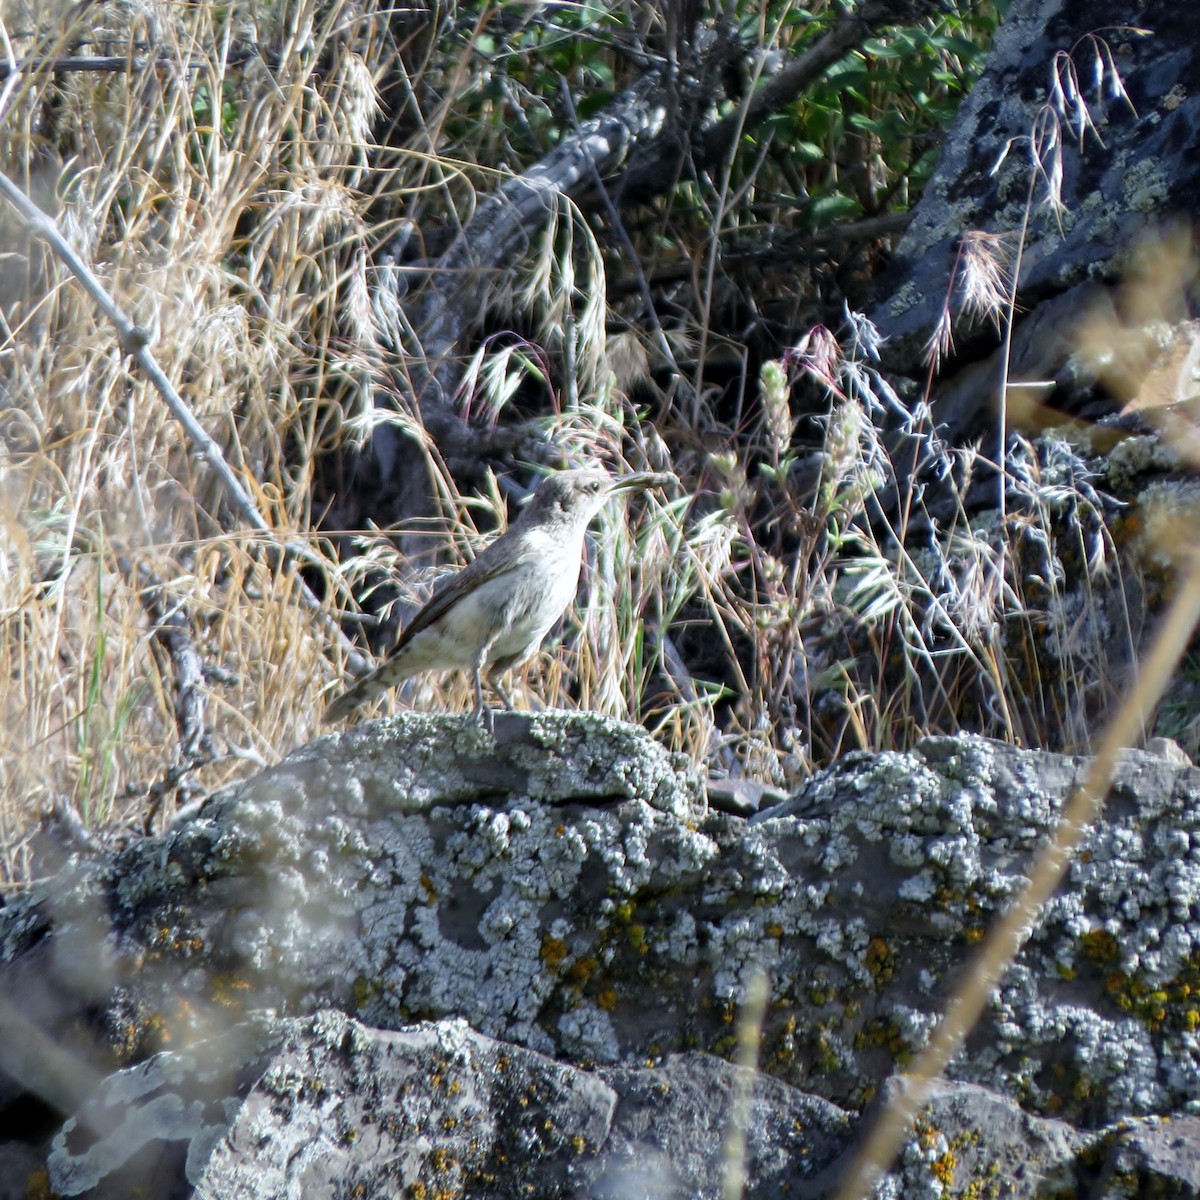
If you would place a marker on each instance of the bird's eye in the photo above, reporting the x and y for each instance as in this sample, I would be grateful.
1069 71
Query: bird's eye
593 485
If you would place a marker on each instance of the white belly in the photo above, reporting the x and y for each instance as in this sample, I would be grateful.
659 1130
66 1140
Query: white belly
510 614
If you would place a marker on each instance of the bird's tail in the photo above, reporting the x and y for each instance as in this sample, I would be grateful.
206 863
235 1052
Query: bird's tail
369 687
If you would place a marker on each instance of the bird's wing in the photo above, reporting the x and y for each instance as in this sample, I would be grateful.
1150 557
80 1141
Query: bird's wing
448 593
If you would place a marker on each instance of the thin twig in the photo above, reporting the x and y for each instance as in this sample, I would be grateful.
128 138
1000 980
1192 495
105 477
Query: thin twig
134 340
172 632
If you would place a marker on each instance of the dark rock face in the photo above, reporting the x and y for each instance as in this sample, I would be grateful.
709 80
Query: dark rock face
562 890
1143 177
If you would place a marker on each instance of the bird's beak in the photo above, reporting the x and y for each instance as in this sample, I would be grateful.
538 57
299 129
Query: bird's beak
639 481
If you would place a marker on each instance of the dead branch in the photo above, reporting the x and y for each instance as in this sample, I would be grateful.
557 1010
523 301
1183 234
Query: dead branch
74 64
171 631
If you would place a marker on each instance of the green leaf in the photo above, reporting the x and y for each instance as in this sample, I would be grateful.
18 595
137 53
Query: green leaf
828 210
592 103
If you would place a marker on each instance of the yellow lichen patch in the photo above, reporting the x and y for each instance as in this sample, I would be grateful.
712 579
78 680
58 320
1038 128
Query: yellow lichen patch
554 952
1099 946
881 1033
879 960
172 940
229 991
1170 1004
942 1168
581 970
819 994
136 1038
941 1165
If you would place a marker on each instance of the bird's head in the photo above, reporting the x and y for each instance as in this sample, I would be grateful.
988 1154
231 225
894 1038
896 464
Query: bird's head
577 496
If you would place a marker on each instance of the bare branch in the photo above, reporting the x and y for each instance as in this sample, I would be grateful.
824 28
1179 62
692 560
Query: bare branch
111 63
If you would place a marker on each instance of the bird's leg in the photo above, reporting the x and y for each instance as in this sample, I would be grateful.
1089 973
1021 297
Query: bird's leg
484 714
494 680
479 705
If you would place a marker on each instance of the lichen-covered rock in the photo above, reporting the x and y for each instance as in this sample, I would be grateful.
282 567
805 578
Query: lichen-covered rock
328 1107
325 1106
589 909
971 1141
1151 1158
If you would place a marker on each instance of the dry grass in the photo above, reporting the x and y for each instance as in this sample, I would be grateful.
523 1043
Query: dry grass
1063 674
225 207
234 246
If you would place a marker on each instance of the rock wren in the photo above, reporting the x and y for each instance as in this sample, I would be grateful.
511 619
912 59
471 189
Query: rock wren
493 614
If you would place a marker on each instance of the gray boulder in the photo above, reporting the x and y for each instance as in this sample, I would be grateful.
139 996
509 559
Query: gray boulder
562 889
324 1106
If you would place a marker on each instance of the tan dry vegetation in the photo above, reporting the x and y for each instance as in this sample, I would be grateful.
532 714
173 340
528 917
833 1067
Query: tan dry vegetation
235 249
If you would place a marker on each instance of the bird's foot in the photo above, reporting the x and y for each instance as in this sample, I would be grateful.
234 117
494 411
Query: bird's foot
487 720
505 698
